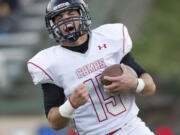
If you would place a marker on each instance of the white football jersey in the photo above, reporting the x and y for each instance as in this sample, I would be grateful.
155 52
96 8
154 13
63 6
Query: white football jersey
103 113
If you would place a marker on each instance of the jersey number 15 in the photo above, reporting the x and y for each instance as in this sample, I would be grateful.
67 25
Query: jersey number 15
103 102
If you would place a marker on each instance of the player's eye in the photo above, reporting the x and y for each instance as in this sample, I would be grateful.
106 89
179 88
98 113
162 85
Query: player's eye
72 12
58 18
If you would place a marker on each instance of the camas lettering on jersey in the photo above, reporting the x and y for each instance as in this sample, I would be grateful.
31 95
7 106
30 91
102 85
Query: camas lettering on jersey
90 68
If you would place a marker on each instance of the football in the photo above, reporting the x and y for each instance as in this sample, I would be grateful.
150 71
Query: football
112 71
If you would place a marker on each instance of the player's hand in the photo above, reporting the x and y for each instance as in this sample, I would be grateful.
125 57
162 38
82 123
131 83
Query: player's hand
127 81
80 95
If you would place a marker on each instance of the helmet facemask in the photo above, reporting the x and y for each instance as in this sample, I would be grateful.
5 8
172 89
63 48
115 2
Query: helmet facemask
72 31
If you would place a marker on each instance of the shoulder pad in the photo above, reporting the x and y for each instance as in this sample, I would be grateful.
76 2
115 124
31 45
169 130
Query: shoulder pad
38 74
39 67
116 31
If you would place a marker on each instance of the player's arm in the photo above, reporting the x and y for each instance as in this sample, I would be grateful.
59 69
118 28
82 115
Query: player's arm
54 97
58 112
127 81
149 87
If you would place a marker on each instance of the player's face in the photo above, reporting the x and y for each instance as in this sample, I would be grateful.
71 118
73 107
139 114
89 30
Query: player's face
65 17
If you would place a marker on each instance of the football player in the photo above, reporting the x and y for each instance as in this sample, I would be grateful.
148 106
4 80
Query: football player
70 72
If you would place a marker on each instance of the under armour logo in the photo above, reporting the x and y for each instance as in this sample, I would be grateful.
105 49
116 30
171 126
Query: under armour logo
103 46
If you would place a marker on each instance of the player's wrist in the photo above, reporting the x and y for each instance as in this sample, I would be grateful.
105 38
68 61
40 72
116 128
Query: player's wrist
72 104
67 110
140 85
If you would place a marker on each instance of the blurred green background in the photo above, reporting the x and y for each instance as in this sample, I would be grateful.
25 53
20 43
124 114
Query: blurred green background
154 26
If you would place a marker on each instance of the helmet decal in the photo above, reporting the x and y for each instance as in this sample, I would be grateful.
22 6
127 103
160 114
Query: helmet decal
61 5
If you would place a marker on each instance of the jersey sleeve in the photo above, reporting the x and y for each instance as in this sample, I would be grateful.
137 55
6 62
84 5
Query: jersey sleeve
38 74
127 42
130 61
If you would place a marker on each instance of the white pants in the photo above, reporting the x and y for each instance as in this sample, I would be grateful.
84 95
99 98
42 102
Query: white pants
135 127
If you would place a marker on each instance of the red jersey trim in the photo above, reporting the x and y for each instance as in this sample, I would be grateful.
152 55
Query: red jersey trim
73 105
123 40
42 70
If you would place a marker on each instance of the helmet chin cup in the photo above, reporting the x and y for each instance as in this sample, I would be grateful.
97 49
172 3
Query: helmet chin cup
70 38
58 6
